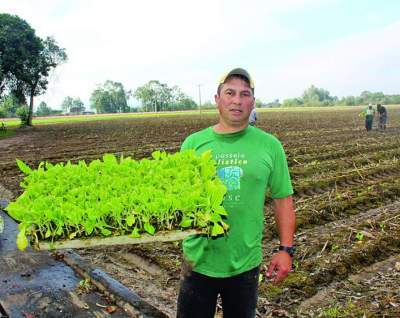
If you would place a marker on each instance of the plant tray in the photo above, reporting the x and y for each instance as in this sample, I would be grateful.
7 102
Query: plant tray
115 240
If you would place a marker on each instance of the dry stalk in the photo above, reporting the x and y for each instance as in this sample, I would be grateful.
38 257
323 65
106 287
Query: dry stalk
323 249
358 171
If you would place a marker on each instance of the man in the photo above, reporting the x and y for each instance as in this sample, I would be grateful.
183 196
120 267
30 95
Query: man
369 113
248 161
382 113
253 117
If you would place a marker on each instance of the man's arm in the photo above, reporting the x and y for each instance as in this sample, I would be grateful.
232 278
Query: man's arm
285 219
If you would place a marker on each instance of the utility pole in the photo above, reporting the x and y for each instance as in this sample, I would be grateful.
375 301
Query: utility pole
199 85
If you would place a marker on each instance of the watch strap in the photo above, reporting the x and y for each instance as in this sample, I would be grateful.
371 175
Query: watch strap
288 249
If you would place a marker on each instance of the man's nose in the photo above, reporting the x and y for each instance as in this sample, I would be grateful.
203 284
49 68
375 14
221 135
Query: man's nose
237 99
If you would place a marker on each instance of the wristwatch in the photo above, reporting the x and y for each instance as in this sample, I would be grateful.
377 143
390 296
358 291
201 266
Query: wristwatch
288 249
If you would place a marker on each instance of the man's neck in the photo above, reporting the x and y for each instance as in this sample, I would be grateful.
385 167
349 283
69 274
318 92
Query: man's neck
225 129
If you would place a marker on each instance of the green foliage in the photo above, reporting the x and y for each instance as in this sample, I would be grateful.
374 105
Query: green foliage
342 311
314 96
8 106
156 96
334 248
77 106
23 114
208 105
43 109
111 97
72 105
359 236
26 60
292 102
120 196
18 43
67 104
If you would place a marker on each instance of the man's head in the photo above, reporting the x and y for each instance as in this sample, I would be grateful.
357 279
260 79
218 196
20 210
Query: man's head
239 73
235 100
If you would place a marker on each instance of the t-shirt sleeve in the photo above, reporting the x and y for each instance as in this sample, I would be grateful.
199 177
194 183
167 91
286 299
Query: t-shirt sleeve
187 144
279 179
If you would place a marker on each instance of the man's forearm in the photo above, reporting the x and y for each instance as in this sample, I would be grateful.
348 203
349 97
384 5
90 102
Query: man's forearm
285 218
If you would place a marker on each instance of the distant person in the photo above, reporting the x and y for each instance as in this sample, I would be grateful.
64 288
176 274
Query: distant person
382 116
253 117
369 117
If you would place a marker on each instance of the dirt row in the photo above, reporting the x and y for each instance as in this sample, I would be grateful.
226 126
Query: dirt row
347 198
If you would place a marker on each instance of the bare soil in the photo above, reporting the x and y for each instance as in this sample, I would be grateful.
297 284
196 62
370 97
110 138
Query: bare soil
347 196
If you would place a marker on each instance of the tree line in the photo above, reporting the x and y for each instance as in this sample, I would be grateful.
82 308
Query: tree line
26 61
314 96
154 96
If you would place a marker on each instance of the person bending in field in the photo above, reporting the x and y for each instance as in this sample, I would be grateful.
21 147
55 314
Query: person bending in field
382 113
249 161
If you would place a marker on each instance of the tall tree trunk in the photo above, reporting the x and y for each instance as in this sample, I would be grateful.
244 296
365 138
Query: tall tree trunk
30 111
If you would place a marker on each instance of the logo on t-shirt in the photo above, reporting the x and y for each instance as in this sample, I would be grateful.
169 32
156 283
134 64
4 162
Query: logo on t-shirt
230 176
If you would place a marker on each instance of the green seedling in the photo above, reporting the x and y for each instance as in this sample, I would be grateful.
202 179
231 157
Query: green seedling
120 196
334 248
359 236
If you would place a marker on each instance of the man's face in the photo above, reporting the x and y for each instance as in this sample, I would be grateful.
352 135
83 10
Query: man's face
235 103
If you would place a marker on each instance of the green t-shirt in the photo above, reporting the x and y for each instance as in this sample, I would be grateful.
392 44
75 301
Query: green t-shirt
248 162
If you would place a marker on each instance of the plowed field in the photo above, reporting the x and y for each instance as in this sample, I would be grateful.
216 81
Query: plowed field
347 195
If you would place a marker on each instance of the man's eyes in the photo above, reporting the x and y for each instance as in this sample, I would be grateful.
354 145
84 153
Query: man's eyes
244 94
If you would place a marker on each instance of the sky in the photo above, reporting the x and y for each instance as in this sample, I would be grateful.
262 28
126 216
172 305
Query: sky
343 46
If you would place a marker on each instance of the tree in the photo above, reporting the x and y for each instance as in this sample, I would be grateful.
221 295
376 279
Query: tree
43 109
50 56
77 106
156 96
9 105
26 60
18 43
292 102
67 104
314 96
72 105
179 100
111 97
153 95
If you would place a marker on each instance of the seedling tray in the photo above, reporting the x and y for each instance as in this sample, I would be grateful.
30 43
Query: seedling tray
115 240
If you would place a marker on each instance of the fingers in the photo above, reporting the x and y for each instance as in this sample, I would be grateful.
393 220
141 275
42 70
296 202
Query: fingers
281 265
280 275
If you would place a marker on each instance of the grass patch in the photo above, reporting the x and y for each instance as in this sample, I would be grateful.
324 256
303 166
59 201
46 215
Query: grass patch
6 133
86 118
343 311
